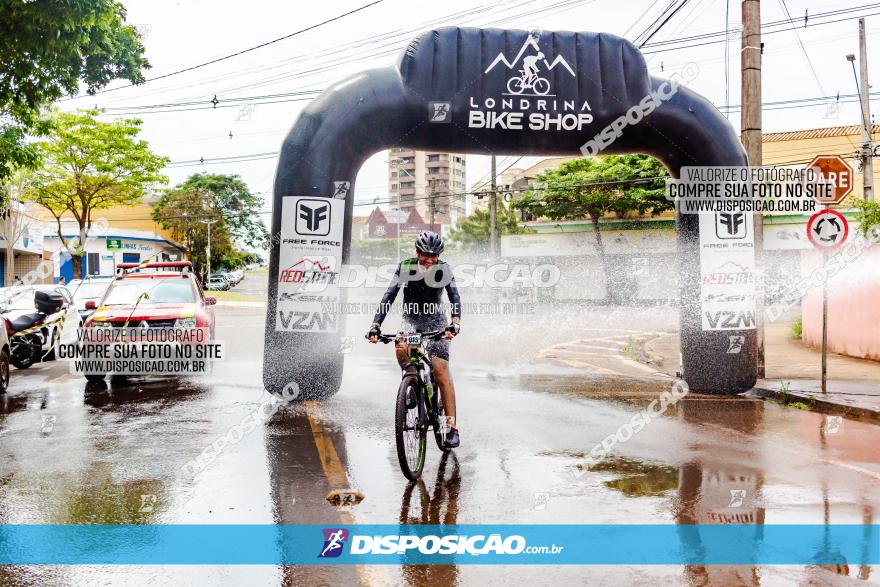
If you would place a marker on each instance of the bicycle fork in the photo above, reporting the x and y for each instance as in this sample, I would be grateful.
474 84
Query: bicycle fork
427 391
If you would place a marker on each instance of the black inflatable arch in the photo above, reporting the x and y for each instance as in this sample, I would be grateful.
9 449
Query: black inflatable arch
425 103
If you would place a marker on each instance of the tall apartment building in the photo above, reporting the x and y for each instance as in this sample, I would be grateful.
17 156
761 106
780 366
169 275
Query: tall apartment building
420 177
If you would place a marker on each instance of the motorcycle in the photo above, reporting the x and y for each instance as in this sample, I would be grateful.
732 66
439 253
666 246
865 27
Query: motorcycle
27 332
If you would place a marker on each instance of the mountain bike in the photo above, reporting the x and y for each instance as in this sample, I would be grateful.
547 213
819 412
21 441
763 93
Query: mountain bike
517 85
419 405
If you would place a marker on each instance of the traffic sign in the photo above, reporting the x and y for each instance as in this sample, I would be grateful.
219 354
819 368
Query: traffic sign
827 229
836 171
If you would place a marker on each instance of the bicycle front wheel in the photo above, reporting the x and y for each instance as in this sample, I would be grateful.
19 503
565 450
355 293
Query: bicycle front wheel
440 425
410 436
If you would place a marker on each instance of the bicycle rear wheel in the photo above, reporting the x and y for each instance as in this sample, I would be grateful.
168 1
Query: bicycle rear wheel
410 437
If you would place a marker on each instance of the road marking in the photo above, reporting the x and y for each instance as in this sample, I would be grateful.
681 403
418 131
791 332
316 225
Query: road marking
338 479
330 462
855 468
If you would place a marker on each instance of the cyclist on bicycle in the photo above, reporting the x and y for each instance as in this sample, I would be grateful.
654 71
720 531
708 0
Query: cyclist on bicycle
530 67
423 278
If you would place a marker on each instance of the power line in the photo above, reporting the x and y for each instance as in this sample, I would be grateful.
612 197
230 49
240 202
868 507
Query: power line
646 35
801 43
773 105
249 49
304 95
387 39
774 23
762 32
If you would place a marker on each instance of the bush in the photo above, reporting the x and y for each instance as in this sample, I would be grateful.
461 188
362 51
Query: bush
797 328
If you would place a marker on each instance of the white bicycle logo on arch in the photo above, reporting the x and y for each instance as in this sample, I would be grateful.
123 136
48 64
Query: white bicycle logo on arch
538 84
528 77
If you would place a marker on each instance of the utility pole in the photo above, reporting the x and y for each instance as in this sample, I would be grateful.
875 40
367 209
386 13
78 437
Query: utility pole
493 214
750 135
431 203
867 148
209 223
396 177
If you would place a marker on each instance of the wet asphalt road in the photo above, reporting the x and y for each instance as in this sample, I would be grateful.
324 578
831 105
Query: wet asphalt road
119 455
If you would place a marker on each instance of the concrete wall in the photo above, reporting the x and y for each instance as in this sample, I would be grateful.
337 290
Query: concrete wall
853 307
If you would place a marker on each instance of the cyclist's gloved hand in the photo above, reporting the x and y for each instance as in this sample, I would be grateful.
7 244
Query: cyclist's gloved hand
374 333
452 330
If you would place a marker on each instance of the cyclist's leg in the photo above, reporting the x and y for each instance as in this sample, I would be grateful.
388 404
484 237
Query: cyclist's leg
442 375
402 356
439 351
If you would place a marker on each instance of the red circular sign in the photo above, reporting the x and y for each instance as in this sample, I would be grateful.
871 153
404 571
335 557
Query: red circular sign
836 171
827 229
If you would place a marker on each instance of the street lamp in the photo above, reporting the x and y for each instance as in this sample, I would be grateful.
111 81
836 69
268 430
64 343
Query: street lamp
396 163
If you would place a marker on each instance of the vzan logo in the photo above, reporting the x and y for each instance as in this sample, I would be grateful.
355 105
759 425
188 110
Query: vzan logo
523 101
313 217
730 320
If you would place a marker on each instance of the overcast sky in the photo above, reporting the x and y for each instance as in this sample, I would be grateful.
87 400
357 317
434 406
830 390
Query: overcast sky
184 33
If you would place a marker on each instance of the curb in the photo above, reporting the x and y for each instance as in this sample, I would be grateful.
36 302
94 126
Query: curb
817 402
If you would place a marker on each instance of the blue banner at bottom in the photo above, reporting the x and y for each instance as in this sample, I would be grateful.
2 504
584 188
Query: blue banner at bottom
434 544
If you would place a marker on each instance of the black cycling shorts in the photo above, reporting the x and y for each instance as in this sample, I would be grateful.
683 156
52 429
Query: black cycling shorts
428 323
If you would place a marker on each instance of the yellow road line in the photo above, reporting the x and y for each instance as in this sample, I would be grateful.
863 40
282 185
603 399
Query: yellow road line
338 479
330 462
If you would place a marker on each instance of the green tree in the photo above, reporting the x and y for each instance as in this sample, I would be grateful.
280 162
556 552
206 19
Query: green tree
379 251
228 197
89 165
49 47
187 214
472 233
868 216
591 188
12 219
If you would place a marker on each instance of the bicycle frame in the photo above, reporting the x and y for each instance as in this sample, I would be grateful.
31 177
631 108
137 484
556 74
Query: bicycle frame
418 358
420 364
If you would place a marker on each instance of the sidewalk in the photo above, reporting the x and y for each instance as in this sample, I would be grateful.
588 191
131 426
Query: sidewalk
794 372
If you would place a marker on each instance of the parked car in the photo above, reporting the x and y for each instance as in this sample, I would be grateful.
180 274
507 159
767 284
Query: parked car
218 283
156 295
90 288
36 317
4 360
236 276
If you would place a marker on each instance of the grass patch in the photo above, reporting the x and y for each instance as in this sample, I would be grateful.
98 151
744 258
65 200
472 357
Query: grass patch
629 349
797 328
234 296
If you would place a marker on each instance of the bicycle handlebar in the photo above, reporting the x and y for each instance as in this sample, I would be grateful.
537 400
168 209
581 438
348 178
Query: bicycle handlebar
434 335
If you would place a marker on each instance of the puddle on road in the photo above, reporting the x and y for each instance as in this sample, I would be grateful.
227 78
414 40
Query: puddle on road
638 478
634 477
627 390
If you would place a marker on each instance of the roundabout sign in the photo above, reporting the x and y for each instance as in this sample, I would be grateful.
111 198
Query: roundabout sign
827 229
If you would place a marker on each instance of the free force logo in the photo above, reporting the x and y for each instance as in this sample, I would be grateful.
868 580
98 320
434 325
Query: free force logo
309 260
334 540
313 217
730 225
